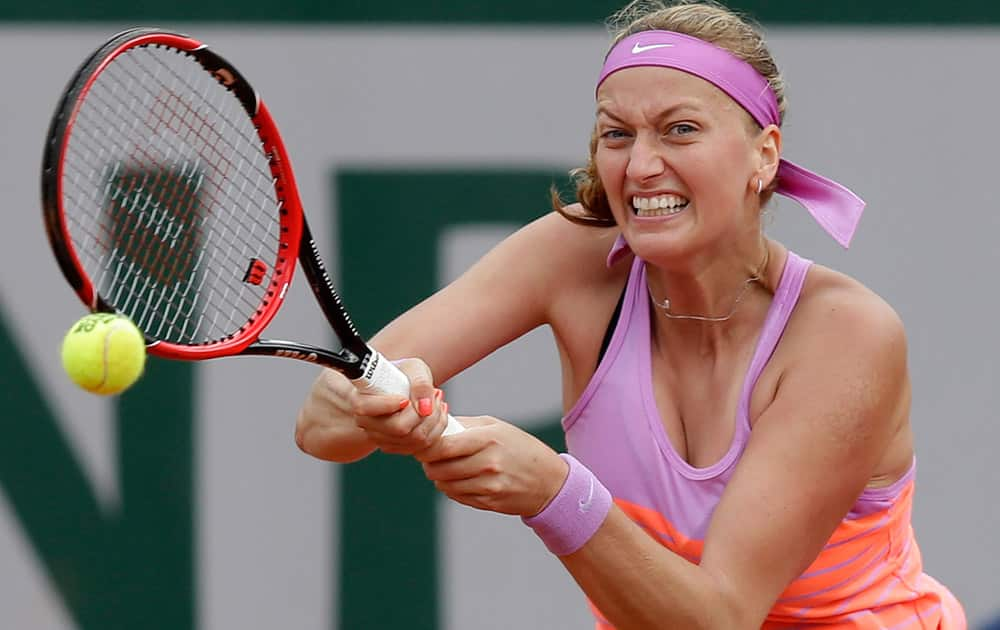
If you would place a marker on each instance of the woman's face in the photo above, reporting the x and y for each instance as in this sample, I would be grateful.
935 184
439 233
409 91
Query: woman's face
678 160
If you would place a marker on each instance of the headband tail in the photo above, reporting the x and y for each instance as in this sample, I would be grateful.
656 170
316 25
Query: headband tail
835 208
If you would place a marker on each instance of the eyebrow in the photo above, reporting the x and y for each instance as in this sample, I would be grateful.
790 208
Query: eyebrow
673 109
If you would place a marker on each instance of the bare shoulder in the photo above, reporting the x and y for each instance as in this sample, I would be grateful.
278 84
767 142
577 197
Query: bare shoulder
836 309
565 249
846 354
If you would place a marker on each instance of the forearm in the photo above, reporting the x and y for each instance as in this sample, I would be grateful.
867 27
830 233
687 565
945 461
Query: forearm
638 584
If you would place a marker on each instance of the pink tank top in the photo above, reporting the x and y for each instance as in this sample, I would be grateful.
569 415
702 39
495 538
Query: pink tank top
870 573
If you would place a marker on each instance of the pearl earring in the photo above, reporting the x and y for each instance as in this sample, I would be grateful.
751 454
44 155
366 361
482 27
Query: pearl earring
760 185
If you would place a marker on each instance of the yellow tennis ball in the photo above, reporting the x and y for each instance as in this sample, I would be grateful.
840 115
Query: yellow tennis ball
104 353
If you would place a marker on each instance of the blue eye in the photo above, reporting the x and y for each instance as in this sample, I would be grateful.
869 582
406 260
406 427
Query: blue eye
682 129
614 134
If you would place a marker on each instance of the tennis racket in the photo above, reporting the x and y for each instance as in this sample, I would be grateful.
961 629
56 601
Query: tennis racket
168 197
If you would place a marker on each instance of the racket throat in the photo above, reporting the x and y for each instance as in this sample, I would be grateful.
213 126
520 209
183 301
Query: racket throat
369 366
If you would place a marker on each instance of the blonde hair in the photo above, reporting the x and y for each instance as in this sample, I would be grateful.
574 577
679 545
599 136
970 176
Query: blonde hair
705 19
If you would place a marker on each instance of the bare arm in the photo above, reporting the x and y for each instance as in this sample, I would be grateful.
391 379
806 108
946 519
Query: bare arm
510 291
521 284
842 397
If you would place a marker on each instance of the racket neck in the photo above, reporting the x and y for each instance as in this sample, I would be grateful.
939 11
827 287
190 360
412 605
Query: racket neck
329 301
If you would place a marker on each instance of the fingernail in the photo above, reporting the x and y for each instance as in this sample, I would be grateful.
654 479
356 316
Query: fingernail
424 406
404 403
438 394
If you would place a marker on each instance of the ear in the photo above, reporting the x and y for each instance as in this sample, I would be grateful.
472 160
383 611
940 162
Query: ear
768 153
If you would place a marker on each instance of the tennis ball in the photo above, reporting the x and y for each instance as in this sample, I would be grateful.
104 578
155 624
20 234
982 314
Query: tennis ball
104 353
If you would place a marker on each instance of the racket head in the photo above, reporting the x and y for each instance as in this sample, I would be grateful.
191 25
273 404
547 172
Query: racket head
168 195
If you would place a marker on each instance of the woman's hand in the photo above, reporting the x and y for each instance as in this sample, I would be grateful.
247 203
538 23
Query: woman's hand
339 423
404 426
495 466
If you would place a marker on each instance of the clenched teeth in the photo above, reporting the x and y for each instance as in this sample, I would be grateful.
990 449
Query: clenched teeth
659 205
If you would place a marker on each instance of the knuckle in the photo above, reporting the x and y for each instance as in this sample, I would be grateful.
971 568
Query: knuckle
442 451
424 434
419 442
418 372
421 377
336 382
396 429
494 486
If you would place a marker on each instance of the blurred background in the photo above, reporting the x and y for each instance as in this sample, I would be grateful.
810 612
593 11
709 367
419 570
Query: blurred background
434 128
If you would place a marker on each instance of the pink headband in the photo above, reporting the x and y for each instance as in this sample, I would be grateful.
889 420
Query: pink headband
833 206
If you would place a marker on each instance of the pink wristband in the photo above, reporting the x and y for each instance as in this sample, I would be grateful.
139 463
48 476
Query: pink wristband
576 512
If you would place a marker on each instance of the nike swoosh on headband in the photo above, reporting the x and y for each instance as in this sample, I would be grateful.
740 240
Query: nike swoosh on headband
639 48
584 506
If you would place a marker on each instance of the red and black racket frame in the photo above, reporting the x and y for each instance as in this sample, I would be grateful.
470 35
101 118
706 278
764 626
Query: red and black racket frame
296 241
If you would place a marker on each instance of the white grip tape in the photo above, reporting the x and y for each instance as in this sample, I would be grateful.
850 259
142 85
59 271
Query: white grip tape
383 377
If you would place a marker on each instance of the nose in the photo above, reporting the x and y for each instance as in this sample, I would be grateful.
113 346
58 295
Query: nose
646 159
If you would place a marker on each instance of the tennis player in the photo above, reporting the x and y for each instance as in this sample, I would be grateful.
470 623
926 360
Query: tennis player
737 417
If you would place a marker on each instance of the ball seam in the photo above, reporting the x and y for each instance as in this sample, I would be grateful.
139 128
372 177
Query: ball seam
106 367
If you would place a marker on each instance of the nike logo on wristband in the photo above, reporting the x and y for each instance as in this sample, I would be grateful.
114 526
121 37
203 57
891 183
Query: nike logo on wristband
585 505
641 49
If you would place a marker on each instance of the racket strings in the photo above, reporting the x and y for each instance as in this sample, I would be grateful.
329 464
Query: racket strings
168 195
195 131
206 145
108 240
141 155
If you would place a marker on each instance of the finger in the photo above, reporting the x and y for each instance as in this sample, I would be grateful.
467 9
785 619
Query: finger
378 404
449 470
405 432
347 395
457 445
395 427
397 446
433 427
421 385
476 437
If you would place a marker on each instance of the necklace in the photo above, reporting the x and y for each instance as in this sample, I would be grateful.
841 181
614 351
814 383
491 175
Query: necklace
665 304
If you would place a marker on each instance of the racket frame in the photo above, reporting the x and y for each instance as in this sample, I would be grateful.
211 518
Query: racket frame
356 359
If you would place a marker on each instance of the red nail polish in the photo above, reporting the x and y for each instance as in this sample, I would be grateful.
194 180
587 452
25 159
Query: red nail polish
424 406
404 404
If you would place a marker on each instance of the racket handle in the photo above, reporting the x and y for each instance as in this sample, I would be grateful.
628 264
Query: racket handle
383 377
